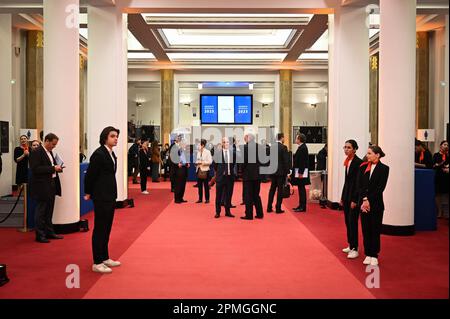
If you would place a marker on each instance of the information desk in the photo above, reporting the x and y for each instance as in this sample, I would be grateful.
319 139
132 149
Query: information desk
425 217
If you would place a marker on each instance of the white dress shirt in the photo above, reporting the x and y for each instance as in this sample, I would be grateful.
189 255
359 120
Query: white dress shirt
226 155
110 154
51 161
371 170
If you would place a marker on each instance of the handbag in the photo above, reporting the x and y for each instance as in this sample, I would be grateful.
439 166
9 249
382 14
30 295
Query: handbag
286 192
202 174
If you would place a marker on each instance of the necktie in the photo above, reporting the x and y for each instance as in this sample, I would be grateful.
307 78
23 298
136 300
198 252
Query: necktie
53 158
115 161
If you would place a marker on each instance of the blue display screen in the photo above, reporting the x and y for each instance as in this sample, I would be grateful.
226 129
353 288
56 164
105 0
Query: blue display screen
226 109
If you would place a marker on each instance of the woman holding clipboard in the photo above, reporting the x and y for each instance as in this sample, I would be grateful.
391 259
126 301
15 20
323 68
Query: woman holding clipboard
300 173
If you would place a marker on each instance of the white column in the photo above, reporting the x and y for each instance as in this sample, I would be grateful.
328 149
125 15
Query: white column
61 99
396 111
6 178
348 108
107 84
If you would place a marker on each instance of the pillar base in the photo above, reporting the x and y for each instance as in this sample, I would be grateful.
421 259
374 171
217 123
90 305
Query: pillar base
129 202
67 228
398 230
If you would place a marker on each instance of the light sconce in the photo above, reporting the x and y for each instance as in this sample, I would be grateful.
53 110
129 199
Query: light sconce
187 104
200 86
313 105
250 86
265 104
138 104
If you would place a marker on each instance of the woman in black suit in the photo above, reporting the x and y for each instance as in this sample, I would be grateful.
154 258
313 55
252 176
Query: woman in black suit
21 156
300 177
349 198
144 165
372 180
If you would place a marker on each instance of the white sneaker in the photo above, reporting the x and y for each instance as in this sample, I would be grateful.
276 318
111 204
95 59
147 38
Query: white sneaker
145 192
111 263
346 250
367 260
101 268
353 254
374 261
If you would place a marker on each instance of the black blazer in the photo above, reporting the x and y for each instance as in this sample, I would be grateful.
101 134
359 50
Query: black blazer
100 179
42 185
220 165
301 162
144 160
373 188
282 159
350 190
251 163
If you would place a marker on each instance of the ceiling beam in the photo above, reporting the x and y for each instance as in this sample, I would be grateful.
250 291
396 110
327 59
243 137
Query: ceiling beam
141 31
223 26
315 28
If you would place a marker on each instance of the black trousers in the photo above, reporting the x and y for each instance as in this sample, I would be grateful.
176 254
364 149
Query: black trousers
203 184
351 223
224 188
172 175
371 227
301 196
277 182
135 169
103 220
144 176
252 198
43 217
180 183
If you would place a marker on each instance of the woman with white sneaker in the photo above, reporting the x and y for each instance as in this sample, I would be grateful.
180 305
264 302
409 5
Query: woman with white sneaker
349 198
372 180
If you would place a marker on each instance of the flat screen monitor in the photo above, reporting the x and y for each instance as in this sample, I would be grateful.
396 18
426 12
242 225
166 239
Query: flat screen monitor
226 109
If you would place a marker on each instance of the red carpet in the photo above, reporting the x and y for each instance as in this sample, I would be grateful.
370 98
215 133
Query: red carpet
181 251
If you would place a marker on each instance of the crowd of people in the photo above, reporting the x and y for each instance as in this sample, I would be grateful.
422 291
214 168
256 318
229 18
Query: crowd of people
439 162
220 166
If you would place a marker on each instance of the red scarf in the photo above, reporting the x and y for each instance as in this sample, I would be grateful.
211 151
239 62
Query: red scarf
348 159
422 156
444 156
369 166
24 147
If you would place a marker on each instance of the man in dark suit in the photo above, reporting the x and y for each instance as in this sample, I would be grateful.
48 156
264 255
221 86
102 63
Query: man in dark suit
172 165
279 159
100 186
180 159
251 176
301 164
225 161
44 186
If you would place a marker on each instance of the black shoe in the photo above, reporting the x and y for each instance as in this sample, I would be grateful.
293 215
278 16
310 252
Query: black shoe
259 217
135 182
246 218
54 236
42 240
196 185
217 216
207 201
177 202
270 210
300 210
232 206
280 211
199 201
229 215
